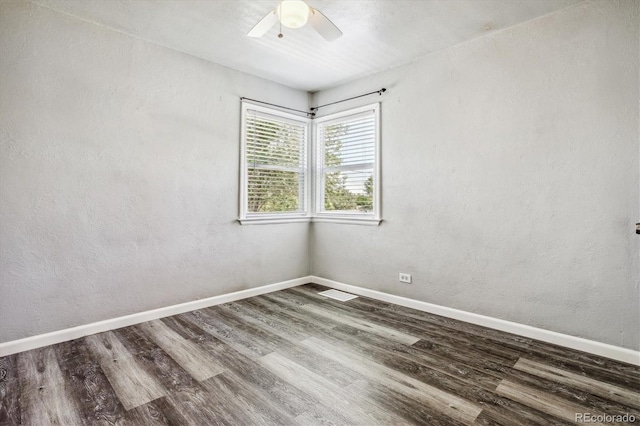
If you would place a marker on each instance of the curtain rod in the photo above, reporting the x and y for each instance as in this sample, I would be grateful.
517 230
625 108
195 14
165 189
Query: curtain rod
379 92
312 110
308 114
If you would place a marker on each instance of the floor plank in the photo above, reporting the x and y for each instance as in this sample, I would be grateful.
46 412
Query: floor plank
199 364
156 413
284 394
547 403
605 390
88 385
157 363
237 339
10 407
244 405
133 385
332 397
448 404
43 395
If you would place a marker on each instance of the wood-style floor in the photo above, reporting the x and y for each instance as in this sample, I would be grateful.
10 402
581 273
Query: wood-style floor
296 358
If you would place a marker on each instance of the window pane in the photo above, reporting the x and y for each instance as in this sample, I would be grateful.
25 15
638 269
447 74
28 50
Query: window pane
349 142
349 190
274 191
275 163
274 143
347 152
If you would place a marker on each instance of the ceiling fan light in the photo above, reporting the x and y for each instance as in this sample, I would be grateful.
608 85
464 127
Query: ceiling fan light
293 13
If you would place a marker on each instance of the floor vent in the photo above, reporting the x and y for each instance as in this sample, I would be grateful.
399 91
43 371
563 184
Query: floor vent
338 295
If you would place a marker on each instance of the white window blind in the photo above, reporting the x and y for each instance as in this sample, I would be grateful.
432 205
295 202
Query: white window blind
347 163
275 164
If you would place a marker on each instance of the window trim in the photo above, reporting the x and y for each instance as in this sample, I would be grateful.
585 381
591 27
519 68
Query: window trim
346 217
249 218
312 189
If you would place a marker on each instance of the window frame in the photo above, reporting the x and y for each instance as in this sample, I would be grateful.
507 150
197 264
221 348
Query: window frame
313 172
248 218
341 216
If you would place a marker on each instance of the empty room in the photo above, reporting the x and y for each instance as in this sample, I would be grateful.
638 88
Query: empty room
319 212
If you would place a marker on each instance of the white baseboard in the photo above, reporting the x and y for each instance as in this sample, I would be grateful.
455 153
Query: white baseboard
60 336
578 343
597 348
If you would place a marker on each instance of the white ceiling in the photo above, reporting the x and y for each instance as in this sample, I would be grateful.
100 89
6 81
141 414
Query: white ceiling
378 34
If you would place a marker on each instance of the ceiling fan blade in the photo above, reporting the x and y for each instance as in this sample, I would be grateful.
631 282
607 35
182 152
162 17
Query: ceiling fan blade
323 25
264 25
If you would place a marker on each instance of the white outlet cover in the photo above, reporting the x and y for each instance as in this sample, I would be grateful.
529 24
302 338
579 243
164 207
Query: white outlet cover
405 278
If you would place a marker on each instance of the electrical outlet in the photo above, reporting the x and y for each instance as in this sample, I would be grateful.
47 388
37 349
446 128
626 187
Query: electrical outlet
405 278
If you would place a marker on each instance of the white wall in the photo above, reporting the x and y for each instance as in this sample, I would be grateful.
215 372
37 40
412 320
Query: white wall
510 177
119 177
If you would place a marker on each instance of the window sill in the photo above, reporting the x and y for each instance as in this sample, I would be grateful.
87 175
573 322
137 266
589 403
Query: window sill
348 220
306 219
273 220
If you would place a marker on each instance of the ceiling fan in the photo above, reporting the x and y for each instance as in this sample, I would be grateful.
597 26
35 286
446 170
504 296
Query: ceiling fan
296 14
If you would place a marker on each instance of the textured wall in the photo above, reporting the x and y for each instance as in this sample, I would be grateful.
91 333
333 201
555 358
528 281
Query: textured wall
510 177
119 177
510 169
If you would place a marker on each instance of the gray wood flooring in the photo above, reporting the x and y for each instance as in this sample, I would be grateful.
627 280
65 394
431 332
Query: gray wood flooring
297 358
